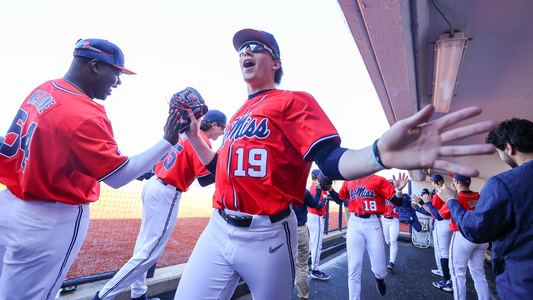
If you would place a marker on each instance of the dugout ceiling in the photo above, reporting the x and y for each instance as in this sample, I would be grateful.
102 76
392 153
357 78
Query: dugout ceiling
396 39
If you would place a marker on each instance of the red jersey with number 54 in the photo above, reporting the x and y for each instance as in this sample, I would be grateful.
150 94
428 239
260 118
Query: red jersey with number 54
264 161
59 146
367 195
181 165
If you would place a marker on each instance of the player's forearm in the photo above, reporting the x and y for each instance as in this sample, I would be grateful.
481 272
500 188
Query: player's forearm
435 212
355 164
205 154
138 165
398 201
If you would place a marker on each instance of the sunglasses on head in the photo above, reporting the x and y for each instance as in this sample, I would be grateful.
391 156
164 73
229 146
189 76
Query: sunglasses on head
85 45
256 47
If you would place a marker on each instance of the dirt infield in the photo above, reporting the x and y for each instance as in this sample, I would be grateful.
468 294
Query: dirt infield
116 220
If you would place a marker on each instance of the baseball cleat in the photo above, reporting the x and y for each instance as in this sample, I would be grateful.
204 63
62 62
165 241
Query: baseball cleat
143 297
320 275
437 272
448 287
443 285
381 286
390 266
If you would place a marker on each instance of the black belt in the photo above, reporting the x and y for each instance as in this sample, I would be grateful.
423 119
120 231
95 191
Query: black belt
363 216
165 184
387 217
246 221
303 224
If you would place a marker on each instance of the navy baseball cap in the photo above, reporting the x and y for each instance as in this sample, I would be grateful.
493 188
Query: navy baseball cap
102 50
425 192
461 178
437 178
215 116
315 173
249 35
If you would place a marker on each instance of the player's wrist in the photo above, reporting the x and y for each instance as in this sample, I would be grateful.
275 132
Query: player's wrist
377 157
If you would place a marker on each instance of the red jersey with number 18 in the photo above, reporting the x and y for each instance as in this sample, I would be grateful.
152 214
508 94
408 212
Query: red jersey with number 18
59 146
264 161
181 166
367 195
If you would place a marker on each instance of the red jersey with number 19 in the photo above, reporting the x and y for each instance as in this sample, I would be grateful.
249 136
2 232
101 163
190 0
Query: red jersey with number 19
367 195
264 161
59 146
181 166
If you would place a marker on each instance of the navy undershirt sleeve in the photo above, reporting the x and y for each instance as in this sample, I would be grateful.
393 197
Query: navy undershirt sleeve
434 211
397 201
206 180
326 156
212 166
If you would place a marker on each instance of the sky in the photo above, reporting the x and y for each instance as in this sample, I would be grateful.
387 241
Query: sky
179 43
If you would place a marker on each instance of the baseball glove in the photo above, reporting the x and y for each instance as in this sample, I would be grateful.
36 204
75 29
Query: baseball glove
325 182
189 98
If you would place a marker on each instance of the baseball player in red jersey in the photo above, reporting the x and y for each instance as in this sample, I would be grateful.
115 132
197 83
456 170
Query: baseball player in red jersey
315 223
57 150
391 230
443 235
462 251
161 197
270 141
368 196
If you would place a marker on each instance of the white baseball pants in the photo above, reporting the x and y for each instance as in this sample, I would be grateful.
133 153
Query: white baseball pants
264 254
436 246
364 233
444 237
391 231
160 210
463 253
41 240
315 223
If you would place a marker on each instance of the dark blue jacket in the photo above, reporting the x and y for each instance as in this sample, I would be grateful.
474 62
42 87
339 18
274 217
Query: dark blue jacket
504 216
309 201
408 213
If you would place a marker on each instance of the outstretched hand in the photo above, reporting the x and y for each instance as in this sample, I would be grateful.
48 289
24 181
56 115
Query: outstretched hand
401 182
447 193
414 144
171 127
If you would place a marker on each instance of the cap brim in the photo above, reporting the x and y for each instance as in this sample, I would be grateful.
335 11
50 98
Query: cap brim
247 35
126 71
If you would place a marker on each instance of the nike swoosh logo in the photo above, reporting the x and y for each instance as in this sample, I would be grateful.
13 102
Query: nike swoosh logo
377 228
275 249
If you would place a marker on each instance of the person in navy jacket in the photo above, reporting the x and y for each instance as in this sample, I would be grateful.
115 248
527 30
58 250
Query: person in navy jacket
504 213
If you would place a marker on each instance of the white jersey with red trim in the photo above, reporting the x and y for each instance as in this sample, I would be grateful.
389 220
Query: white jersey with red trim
265 147
59 146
